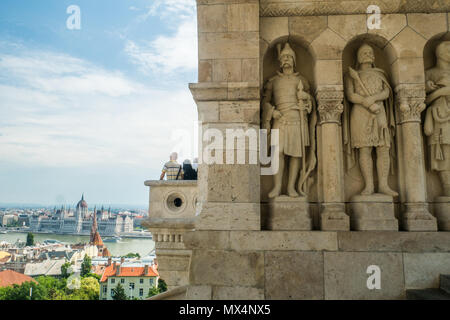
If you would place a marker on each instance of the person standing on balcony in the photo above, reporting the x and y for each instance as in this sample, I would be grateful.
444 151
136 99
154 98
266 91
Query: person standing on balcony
172 168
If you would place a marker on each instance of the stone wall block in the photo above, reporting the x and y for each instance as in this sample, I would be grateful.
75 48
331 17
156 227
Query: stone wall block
207 240
226 70
243 17
329 45
408 44
228 45
211 18
294 275
422 270
307 28
273 28
283 240
391 25
408 70
348 26
227 268
346 275
329 72
428 25
208 111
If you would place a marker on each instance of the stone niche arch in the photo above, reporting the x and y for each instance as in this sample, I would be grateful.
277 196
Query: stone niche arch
385 58
305 64
434 186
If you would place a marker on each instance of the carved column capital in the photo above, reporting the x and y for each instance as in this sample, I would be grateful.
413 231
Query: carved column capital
330 104
410 101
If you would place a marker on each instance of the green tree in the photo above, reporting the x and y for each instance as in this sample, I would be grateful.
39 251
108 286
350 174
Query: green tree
119 293
132 255
153 291
53 287
162 286
22 292
86 266
30 239
90 289
65 270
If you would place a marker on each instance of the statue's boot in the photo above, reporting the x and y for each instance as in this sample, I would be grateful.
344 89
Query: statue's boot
276 191
383 165
277 179
366 165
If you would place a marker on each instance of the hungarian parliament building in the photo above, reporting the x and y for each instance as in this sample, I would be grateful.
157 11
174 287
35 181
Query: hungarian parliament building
80 222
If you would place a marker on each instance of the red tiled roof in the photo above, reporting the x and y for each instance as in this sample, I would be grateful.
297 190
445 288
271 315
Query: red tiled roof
97 239
106 252
10 277
110 271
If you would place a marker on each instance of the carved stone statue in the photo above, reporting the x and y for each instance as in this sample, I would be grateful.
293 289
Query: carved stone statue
437 120
370 123
286 106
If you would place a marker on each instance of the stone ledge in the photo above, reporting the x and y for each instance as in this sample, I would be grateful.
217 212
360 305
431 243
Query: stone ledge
277 8
283 240
178 293
394 241
169 223
154 183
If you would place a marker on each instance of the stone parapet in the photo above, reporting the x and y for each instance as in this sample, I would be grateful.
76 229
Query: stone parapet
313 264
277 8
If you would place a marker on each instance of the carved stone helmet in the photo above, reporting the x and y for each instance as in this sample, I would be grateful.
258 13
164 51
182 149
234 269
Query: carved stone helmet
361 49
287 50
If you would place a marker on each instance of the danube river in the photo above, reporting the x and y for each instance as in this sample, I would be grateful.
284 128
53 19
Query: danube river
124 246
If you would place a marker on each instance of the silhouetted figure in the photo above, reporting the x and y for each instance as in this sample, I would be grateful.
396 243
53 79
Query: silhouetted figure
189 172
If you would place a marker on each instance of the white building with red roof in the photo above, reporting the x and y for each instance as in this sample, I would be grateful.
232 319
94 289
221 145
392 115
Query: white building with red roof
135 280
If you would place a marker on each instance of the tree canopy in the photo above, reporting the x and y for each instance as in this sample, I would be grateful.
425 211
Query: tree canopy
30 239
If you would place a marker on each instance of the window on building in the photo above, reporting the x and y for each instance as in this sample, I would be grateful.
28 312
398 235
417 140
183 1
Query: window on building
112 293
113 280
105 289
141 292
122 280
151 281
132 285
141 281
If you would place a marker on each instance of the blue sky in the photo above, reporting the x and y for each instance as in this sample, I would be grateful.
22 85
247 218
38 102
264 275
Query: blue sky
93 110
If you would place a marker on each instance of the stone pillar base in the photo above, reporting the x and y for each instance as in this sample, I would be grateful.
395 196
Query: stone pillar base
442 209
418 218
286 213
373 212
334 218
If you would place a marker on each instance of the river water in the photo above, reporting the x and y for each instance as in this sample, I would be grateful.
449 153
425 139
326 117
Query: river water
124 246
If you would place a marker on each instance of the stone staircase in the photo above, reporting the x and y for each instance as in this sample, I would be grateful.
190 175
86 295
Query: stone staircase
441 293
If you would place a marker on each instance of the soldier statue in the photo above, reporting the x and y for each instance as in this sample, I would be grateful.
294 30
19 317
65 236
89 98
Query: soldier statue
286 106
437 119
370 122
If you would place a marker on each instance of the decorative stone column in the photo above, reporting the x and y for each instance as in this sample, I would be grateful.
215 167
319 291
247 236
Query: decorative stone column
330 107
410 104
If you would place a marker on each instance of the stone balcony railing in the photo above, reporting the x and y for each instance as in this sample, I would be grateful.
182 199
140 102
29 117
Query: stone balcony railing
172 207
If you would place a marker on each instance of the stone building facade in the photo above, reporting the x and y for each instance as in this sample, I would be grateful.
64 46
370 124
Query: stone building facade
373 196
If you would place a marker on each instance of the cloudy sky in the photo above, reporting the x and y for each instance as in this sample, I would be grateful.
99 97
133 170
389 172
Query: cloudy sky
93 110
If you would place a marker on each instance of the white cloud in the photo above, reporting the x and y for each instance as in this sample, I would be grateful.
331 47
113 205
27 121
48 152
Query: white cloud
56 110
168 53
